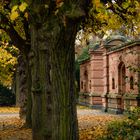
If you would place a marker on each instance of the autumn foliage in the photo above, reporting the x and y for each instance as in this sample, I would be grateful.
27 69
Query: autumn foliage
7 64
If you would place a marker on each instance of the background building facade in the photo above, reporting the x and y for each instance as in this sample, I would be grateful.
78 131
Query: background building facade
110 78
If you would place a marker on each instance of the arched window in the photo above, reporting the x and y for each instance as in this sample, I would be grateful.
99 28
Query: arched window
121 78
85 73
90 84
81 84
131 82
113 83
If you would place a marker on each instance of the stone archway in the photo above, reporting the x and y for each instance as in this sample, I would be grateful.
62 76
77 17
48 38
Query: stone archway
121 83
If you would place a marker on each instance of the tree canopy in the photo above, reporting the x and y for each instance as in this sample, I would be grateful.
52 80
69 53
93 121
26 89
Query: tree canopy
113 15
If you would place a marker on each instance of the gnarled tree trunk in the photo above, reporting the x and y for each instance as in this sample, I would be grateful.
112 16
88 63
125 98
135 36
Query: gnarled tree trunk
54 26
41 85
54 114
63 82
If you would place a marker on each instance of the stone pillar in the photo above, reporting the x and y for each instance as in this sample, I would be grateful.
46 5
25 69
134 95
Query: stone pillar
106 81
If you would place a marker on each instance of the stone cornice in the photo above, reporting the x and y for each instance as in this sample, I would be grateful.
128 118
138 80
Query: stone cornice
121 47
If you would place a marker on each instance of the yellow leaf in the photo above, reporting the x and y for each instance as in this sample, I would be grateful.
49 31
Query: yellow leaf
14 15
97 3
125 5
26 15
14 8
23 6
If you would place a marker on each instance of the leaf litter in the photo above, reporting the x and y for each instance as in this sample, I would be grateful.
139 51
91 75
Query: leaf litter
90 127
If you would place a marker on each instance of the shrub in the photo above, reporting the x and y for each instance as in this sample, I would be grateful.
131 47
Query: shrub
126 129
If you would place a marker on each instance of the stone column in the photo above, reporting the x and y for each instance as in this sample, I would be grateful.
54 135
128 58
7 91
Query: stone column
106 80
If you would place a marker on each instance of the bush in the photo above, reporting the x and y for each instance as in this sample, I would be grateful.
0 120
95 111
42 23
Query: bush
127 129
7 98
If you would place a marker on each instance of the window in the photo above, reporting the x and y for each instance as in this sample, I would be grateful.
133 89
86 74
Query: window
131 82
90 84
85 73
113 83
81 84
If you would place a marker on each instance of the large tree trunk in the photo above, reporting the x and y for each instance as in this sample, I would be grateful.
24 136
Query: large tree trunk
63 83
53 31
41 86
54 114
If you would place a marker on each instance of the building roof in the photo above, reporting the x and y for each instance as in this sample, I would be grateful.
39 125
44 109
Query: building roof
113 43
127 44
115 37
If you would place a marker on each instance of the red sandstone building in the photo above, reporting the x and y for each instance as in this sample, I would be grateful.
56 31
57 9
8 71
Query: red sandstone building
109 78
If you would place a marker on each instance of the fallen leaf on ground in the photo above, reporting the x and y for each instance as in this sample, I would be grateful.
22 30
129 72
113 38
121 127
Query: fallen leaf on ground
90 126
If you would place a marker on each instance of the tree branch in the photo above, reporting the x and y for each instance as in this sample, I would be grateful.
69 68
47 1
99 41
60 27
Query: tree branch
26 27
119 10
9 29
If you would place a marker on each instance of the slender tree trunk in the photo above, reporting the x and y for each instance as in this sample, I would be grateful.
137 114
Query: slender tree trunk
22 85
29 97
23 88
16 86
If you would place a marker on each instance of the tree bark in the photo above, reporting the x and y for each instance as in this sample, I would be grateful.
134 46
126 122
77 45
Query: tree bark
41 86
53 33
22 85
29 97
23 88
63 83
54 114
